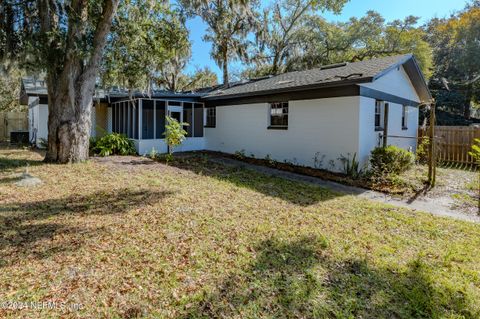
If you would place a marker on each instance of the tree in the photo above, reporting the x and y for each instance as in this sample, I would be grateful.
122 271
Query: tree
296 38
201 78
10 86
174 133
278 35
456 43
229 22
148 43
65 38
359 39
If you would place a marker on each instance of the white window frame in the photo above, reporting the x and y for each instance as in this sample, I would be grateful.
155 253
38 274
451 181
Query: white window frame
380 111
210 112
283 106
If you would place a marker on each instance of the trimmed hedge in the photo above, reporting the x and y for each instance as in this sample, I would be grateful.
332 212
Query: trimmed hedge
390 160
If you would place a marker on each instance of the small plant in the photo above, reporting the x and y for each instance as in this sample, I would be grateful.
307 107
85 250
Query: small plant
174 134
331 164
390 160
350 167
475 152
153 153
269 160
113 144
318 160
43 143
169 158
240 154
422 150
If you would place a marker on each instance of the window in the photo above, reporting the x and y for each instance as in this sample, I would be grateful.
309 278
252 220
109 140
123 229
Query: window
279 115
379 107
210 118
404 117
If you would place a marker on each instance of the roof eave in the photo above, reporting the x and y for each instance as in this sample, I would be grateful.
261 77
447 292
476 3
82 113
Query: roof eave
289 89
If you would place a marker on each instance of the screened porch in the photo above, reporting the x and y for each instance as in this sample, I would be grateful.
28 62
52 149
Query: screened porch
143 120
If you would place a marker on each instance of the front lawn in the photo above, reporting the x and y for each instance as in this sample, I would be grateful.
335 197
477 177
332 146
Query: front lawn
126 237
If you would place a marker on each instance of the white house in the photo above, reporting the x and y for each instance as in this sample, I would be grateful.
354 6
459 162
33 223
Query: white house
309 118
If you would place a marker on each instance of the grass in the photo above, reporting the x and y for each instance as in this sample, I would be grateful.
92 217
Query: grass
127 237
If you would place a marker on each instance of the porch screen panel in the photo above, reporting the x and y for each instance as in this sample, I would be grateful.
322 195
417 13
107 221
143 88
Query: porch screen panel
125 118
117 118
135 119
130 120
187 118
120 117
198 120
160 105
114 122
147 119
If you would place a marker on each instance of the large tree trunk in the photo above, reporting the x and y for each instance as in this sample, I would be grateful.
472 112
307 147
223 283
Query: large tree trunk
71 83
69 123
225 68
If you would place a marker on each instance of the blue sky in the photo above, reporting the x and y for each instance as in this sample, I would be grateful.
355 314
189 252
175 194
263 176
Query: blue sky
389 9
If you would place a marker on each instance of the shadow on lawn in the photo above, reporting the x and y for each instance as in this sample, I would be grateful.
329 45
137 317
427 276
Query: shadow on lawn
24 225
8 164
298 279
292 191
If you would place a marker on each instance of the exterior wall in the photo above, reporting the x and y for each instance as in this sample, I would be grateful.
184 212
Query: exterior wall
100 114
145 147
407 138
369 138
323 129
395 82
37 121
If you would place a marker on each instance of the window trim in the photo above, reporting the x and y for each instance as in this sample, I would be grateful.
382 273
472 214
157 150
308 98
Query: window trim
283 105
207 116
381 114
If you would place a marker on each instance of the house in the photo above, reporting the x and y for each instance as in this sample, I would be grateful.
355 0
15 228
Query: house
310 118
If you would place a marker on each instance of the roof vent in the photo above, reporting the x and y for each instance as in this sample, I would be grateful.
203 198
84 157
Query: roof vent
333 66
284 82
353 75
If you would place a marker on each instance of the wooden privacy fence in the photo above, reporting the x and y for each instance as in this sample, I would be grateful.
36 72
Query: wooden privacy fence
452 143
12 121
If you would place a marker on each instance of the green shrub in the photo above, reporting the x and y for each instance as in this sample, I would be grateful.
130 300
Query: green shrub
390 160
422 150
112 144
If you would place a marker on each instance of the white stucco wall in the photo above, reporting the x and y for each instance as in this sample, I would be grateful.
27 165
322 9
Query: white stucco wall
369 138
38 121
145 147
395 82
326 127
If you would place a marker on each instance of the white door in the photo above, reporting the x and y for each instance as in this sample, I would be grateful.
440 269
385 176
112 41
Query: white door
176 112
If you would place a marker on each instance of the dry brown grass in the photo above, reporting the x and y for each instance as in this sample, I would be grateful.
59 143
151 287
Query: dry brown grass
128 237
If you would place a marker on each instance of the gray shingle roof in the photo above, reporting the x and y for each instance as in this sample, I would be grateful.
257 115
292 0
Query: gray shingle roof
357 72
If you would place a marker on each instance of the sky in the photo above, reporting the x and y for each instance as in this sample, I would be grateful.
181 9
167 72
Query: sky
389 9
